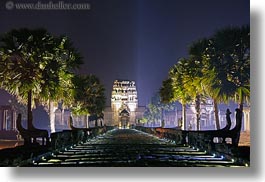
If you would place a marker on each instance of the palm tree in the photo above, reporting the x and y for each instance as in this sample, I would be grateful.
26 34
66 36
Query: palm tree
195 75
89 96
192 78
218 67
181 94
202 80
156 108
229 53
20 72
32 63
79 92
166 92
58 87
217 90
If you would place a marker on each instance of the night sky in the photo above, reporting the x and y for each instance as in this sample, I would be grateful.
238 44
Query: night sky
132 39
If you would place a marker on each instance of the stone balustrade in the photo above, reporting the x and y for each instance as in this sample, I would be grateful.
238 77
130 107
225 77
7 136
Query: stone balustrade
30 135
67 138
224 140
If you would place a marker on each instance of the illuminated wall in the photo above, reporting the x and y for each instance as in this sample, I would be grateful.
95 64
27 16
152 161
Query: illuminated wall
124 96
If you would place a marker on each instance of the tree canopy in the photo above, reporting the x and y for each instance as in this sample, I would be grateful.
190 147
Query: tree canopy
37 66
217 67
89 95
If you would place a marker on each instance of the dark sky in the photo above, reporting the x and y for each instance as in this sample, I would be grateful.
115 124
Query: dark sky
132 39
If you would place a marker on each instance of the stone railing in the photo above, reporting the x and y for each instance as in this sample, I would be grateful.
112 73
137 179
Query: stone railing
67 138
214 139
90 132
30 135
146 129
87 132
174 134
209 140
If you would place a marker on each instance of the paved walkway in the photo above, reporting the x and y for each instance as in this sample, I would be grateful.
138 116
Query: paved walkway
9 143
244 138
128 147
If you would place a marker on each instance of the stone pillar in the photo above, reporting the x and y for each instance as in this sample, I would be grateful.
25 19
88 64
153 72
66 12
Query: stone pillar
176 118
11 119
248 123
132 117
14 120
246 119
62 118
52 116
4 119
212 118
1 118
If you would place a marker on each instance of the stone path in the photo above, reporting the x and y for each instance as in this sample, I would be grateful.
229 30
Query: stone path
9 143
244 138
128 147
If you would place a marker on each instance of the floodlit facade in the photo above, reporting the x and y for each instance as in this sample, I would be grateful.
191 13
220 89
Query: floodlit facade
124 110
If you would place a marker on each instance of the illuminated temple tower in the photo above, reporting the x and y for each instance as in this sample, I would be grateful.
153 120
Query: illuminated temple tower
124 110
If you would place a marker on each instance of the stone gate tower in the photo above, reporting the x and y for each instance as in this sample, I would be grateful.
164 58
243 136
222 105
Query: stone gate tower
124 103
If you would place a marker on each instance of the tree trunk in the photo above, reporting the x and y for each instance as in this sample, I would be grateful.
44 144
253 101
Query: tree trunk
240 105
96 122
62 117
87 121
183 127
162 118
217 122
198 111
30 124
52 116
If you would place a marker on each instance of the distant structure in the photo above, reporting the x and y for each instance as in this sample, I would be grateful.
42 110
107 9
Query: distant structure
7 118
124 110
173 118
8 129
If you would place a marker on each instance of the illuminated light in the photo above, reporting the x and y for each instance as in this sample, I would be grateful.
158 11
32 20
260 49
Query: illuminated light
54 160
214 155
222 157
246 165
233 160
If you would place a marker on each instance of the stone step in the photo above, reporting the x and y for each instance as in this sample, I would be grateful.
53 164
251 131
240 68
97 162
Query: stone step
140 149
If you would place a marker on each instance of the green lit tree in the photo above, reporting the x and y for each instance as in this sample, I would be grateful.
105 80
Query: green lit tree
34 66
194 75
218 67
89 96
180 93
156 108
